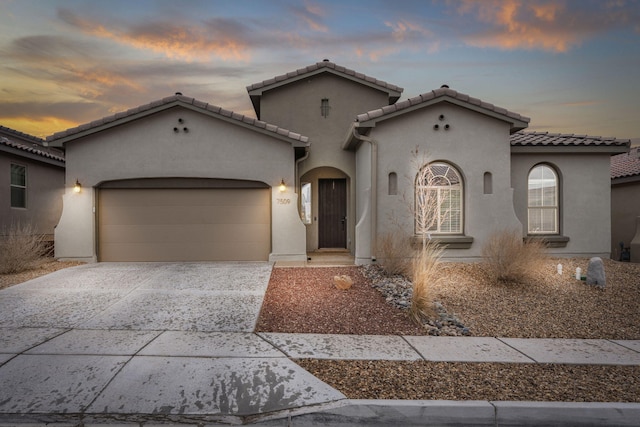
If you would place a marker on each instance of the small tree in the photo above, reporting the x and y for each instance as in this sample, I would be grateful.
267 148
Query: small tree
21 248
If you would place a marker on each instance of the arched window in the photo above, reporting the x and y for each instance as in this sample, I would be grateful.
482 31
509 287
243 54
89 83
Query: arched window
393 184
438 204
543 209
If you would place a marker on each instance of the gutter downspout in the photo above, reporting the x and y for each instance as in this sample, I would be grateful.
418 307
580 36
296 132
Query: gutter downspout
374 190
297 168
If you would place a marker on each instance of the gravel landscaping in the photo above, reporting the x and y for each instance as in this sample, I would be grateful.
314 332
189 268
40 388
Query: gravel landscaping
550 306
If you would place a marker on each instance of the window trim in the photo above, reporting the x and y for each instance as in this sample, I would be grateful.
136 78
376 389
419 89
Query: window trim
438 232
21 187
555 207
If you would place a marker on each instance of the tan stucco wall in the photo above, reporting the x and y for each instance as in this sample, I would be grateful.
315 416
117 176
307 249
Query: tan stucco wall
149 147
296 106
585 189
44 195
474 144
625 209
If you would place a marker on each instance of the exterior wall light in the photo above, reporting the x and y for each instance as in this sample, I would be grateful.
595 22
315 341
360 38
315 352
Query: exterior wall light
77 187
283 186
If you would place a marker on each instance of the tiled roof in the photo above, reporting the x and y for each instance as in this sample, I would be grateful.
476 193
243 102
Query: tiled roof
626 164
179 100
430 97
21 135
326 64
557 139
33 149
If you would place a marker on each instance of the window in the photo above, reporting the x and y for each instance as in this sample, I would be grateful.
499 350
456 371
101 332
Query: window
18 186
305 202
324 107
488 183
438 200
393 184
543 200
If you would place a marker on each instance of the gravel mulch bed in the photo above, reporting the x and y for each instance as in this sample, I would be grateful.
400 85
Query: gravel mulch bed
305 300
362 379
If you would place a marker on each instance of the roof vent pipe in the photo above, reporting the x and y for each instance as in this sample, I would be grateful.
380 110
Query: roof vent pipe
178 93
444 87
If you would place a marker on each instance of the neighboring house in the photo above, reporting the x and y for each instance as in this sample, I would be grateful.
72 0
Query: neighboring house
179 179
625 206
31 183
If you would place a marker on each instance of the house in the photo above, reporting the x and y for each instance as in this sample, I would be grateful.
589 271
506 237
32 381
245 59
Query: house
31 183
625 206
327 164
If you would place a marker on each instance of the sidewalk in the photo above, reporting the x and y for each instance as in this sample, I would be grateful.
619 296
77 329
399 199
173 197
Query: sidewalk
147 378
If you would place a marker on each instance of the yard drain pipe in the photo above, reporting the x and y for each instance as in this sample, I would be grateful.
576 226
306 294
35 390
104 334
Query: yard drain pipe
374 190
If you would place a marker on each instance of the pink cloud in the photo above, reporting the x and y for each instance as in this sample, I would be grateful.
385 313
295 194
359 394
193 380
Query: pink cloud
555 26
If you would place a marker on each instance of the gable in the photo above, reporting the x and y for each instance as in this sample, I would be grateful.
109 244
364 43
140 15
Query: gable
178 100
256 90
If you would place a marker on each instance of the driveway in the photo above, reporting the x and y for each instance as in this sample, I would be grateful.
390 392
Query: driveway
145 341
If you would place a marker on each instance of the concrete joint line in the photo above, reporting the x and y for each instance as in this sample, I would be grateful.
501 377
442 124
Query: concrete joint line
522 353
413 348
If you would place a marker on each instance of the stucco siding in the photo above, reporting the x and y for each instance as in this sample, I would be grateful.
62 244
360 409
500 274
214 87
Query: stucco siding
625 209
150 148
45 184
584 195
474 144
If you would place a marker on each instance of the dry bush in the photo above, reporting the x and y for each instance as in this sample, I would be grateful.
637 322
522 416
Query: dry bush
396 253
20 249
425 275
509 259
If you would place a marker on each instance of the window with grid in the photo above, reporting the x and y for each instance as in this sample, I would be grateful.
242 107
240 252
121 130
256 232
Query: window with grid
542 198
18 186
438 202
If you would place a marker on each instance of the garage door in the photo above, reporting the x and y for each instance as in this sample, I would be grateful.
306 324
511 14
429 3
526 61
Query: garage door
184 225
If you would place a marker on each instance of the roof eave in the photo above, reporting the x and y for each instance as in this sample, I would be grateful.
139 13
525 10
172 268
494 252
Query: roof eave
31 156
630 179
516 123
257 91
608 149
302 141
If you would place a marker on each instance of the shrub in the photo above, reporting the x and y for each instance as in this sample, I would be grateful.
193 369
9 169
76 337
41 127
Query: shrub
20 249
424 275
509 259
396 253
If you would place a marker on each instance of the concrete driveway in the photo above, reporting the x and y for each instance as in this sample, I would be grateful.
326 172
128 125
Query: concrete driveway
145 341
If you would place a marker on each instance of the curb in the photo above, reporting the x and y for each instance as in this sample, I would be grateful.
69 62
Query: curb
466 413
472 413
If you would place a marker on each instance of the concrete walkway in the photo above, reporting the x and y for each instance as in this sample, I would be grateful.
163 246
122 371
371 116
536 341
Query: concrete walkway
150 344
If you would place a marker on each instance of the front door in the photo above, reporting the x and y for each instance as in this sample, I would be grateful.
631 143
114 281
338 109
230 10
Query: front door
332 215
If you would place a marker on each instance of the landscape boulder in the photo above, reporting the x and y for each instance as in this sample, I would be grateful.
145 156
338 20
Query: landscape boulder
595 272
343 282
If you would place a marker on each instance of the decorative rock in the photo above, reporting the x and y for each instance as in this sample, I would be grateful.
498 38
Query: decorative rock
595 272
343 282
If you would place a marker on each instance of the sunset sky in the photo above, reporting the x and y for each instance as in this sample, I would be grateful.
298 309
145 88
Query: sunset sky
573 66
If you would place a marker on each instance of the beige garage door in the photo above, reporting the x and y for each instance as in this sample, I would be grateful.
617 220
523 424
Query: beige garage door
184 225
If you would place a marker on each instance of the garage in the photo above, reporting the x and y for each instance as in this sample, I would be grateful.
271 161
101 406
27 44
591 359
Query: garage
184 224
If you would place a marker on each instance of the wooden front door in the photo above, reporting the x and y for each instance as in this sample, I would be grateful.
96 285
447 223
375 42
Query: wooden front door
332 215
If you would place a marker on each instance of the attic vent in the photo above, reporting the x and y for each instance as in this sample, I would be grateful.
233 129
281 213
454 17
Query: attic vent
325 60
178 93
444 87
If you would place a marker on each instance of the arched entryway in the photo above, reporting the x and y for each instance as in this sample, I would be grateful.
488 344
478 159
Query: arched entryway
325 211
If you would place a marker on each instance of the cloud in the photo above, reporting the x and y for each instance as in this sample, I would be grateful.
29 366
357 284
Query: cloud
223 38
311 15
555 26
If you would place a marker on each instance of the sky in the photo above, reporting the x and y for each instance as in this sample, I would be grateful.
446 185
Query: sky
572 66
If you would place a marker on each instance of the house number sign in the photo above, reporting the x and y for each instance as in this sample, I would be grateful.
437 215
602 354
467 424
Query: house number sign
283 201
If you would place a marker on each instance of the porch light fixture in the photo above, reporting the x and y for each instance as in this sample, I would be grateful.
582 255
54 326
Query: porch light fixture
77 187
283 186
